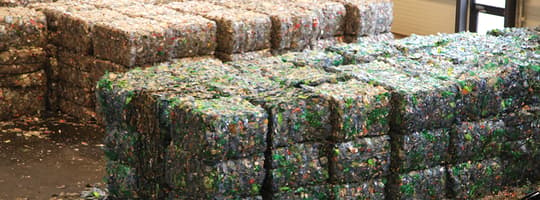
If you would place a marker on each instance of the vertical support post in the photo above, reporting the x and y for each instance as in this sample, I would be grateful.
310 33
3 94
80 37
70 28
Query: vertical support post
461 15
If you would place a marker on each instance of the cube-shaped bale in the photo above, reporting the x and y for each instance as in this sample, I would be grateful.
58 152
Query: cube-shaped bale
21 27
420 149
187 34
72 27
214 129
313 58
191 178
368 17
81 96
520 161
292 26
131 41
287 73
330 21
475 179
424 184
25 56
319 192
523 124
299 165
477 140
419 102
82 113
38 78
359 109
373 189
363 52
23 101
361 160
238 30
122 181
297 116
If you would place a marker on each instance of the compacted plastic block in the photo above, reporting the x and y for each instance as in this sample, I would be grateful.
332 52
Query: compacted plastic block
424 184
373 189
476 179
22 27
237 30
361 160
420 150
419 102
359 109
187 35
299 165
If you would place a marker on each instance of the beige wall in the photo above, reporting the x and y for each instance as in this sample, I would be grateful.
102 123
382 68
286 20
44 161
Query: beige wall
434 16
531 12
424 16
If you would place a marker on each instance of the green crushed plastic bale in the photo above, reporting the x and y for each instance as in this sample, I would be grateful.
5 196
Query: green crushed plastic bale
319 192
373 189
22 27
297 116
192 178
491 72
361 160
471 180
416 43
419 102
420 149
313 58
520 161
522 124
287 74
477 140
359 109
423 184
363 51
122 181
215 129
299 165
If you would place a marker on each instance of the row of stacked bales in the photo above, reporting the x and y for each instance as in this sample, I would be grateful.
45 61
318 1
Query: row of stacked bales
93 37
89 38
23 62
465 89
410 122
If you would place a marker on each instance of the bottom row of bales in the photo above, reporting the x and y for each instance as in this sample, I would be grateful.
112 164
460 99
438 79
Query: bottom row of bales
263 129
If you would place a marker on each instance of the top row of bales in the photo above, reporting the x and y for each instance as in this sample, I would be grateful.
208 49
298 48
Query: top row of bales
135 33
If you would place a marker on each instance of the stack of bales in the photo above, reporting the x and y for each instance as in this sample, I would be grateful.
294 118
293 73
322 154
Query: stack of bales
494 76
444 116
92 38
23 61
172 117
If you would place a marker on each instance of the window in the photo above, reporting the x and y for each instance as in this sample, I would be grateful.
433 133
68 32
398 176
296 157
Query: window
485 15
491 14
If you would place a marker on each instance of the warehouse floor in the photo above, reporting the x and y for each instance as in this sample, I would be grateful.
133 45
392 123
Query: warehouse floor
49 159
57 158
